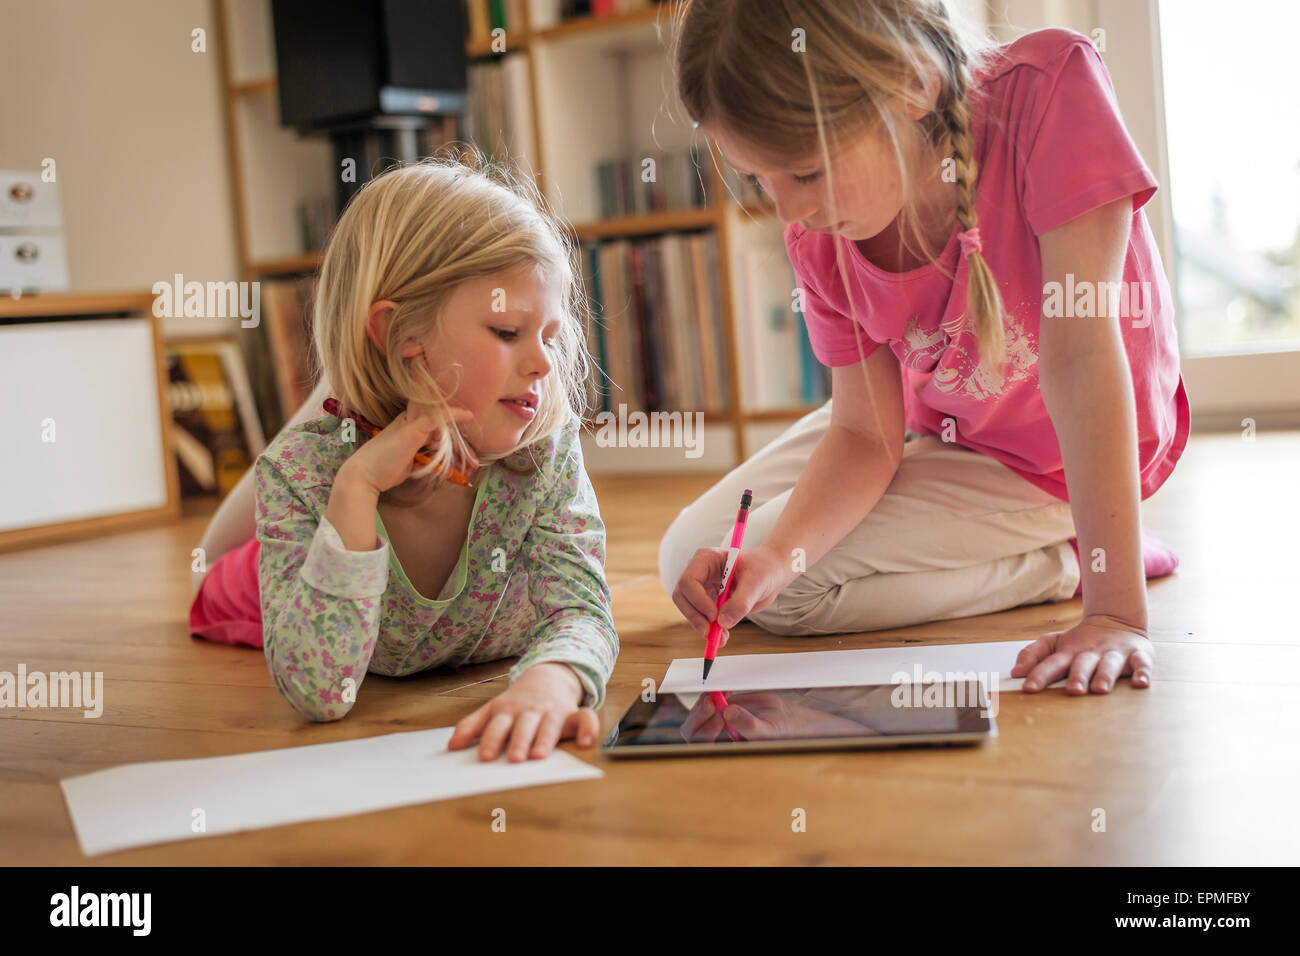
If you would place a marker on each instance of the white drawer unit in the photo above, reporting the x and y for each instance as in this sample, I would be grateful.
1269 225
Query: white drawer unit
27 203
30 262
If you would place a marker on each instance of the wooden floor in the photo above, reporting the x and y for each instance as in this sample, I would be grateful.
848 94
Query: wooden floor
1199 769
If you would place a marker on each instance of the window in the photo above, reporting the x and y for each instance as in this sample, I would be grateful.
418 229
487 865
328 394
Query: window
1233 127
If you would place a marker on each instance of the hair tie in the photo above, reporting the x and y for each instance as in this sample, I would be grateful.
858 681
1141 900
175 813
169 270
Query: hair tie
970 241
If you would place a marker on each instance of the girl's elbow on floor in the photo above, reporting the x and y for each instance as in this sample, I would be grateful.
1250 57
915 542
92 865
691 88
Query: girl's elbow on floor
318 711
314 703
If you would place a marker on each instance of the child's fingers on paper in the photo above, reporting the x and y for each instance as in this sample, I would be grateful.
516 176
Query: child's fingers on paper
468 728
494 735
582 725
521 738
1081 670
1031 654
588 727
1142 665
548 734
1108 671
1052 668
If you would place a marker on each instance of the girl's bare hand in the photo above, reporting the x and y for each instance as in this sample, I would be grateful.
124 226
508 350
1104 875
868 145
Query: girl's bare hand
1094 653
534 714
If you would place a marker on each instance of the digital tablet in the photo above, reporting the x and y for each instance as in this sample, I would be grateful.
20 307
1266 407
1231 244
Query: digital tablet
820 718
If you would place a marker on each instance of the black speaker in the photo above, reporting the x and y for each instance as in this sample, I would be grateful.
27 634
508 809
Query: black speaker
341 63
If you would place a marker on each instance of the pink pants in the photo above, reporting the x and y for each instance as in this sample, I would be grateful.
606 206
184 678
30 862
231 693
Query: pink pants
227 608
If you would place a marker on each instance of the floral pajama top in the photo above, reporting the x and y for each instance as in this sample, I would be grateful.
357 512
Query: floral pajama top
530 580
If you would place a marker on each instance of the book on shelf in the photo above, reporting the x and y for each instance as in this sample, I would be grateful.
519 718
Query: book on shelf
814 377
499 119
484 16
216 433
570 9
645 317
742 189
658 334
440 131
636 185
778 368
317 216
286 313
278 351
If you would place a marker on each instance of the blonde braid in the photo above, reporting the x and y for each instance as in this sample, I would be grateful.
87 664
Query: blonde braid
983 301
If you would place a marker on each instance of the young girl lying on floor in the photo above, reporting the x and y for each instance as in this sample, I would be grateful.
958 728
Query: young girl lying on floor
448 315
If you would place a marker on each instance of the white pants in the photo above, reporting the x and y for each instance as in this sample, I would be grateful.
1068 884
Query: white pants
957 533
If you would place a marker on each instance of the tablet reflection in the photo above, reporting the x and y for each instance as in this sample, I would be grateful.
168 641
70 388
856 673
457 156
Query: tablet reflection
737 716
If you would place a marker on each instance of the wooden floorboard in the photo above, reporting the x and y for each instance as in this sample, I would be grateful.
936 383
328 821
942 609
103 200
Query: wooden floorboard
1199 769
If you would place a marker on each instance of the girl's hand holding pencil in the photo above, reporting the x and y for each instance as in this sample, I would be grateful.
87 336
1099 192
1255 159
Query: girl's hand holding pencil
389 458
760 576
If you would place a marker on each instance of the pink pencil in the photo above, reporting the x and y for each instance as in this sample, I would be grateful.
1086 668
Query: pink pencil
719 700
728 576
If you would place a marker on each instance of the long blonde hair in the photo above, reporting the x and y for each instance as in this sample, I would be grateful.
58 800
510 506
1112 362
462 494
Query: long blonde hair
738 67
412 235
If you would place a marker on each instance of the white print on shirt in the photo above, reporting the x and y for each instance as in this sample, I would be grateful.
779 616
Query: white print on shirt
923 346
956 368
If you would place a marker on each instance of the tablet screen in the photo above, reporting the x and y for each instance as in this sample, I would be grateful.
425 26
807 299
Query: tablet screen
890 713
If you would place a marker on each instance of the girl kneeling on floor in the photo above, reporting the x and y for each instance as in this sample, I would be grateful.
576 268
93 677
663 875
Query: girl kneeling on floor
938 194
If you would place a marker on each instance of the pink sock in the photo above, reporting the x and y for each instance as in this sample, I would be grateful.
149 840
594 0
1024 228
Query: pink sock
1157 558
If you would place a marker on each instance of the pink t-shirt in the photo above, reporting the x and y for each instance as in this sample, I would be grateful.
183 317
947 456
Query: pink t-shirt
1058 149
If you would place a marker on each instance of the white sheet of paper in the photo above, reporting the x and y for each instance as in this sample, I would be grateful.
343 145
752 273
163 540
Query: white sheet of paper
872 665
143 803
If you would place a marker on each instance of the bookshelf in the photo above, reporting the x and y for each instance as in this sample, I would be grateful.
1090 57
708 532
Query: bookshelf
647 224
599 86
271 168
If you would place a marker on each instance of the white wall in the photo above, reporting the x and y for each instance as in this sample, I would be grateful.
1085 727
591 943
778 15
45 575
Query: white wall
134 122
